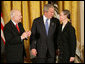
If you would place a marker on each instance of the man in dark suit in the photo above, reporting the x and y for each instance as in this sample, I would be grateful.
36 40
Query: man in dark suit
42 39
15 34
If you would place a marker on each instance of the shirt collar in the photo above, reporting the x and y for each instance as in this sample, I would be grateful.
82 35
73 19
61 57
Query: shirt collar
14 22
65 23
45 18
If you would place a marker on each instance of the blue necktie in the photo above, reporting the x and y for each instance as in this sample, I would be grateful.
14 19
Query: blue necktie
46 26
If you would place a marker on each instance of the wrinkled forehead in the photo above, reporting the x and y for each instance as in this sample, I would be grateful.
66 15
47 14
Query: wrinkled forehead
17 12
51 9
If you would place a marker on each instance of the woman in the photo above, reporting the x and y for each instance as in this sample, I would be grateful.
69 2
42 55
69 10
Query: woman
66 39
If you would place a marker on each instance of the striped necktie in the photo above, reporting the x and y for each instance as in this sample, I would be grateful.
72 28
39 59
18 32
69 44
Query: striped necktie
46 26
17 28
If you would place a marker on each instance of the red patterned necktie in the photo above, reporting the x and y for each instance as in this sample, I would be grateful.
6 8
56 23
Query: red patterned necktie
17 28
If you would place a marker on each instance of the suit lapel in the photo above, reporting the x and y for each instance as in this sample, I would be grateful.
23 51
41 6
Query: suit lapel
50 27
14 28
42 25
21 29
65 27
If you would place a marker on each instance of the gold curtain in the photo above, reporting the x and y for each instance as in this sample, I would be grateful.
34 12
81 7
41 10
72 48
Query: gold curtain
73 7
33 9
29 9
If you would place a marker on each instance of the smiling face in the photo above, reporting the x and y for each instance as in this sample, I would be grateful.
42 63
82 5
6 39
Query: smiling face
62 16
17 16
50 13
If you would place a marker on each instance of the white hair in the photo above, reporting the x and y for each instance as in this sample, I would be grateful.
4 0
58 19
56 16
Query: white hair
12 13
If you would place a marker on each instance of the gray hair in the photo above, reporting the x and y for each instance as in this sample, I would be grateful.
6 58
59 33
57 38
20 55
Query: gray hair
13 12
47 6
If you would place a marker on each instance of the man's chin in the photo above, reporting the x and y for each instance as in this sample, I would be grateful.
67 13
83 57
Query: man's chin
19 20
50 17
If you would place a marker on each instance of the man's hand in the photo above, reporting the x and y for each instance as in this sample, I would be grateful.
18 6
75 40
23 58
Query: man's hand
29 33
26 35
34 52
72 59
57 52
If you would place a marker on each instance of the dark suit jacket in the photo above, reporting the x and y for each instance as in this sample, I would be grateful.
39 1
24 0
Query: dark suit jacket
40 41
14 47
66 42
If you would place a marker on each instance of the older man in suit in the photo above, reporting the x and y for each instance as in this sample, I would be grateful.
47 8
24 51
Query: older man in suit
15 35
44 33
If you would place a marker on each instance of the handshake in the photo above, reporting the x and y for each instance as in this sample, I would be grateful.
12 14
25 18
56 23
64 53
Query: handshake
26 35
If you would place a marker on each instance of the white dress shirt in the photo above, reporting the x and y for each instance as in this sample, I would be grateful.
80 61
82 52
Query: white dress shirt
63 26
13 22
44 18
